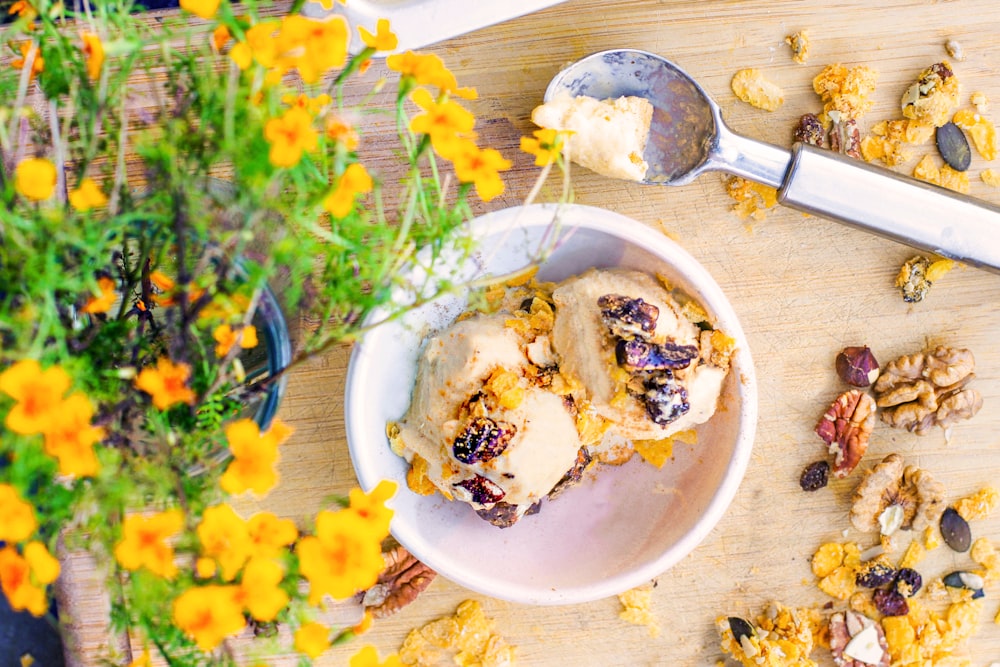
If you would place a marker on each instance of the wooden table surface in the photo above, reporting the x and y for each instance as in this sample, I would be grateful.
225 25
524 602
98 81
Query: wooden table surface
802 286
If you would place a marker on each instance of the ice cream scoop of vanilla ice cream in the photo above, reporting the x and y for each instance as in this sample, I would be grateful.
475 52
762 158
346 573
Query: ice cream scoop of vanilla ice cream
609 136
665 383
486 440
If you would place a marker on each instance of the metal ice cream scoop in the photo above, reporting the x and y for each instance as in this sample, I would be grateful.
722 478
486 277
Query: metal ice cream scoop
688 137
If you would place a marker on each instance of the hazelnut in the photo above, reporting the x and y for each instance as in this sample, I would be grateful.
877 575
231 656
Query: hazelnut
857 366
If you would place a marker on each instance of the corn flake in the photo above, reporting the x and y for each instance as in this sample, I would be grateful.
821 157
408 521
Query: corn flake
846 90
751 87
783 637
637 610
982 131
990 177
979 505
467 635
944 176
800 46
752 199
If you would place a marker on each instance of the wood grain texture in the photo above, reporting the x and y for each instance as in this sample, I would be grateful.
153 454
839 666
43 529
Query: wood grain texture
802 286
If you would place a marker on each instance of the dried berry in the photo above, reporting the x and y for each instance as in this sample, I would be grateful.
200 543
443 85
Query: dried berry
815 476
638 355
907 582
955 530
665 399
810 130
953 146
482 439
967 580
891 603
482 490
740 628
628 318
857 366
875 573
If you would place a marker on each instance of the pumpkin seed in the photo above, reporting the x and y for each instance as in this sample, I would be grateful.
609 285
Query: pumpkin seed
953 146
740 628
968 580
955 530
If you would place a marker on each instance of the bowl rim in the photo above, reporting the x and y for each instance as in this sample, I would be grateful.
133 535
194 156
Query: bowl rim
670 253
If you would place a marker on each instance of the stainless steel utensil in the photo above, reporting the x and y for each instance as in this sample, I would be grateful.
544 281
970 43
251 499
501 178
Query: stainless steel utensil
688 137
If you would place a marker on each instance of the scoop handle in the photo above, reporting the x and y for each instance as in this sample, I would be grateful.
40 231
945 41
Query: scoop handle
898 207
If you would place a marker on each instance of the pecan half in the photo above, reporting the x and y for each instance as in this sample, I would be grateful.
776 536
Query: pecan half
402 580
845 428
845 137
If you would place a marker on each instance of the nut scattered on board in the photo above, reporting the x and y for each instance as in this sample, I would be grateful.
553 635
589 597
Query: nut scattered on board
800 46
917 275
933 97
857 366
890 484
857 641
920 391
402 580
845 428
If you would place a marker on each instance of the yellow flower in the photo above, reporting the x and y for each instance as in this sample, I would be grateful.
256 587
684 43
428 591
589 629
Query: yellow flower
354 181
311 104
371 506
144 542
44 567
166 384
368 657
103 303
17 516
93 53
312 639
205 568
365 624
254 456
340 130
260 591
35 178
37 65
225 337
260 45
313 46
71 437
481 166
38 393
344 556
224 536
87 195
144 660
22 9
220 36
209 614
546 146
269 534
15 582
428 70
290 136
382 40
445 122
205 9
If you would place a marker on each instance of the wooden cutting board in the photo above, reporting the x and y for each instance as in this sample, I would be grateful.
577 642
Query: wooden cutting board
802 286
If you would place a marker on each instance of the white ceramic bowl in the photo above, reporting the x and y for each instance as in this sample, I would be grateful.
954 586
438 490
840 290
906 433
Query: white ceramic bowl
617 529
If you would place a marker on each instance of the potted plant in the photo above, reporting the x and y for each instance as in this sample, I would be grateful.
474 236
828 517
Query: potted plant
162 179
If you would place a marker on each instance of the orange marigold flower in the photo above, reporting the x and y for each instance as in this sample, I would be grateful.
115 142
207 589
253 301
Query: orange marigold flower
313 46
259 45
254 456
342 558
93 54
225 337
209 614
481 166
312 639
368 657
428 70
382 40
167 383
39 395
87 195
71 437
15 582
220 37
260 590
37 63
269 534
144 542
371 506
102 303
290 136
44 566
311 104
444 121
23 9
546 146
204 9
354 181
35 178
365 624
17 516
224 536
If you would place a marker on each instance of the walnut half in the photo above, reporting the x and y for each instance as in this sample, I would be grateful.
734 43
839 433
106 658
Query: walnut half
912 493
927 389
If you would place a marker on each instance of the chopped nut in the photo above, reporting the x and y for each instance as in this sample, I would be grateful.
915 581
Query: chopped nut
782 636
912 279
857 641
845 428
933 97
845 137
847 91
399 584
927 389
751 87
919 496
982 131
954 49
981 101
800 46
